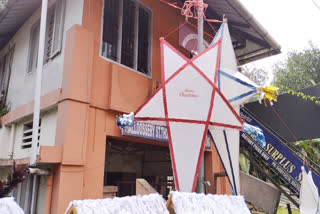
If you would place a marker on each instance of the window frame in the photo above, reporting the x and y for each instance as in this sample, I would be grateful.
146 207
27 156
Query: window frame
6 62
138 4
32 51
55 49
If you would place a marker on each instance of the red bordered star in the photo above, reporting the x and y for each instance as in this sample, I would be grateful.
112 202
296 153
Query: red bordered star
188 102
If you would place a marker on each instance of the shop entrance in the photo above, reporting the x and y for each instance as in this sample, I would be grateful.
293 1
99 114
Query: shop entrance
127 161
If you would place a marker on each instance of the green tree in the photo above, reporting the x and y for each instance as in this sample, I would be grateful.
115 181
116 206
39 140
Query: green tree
257 75
311 148
299 70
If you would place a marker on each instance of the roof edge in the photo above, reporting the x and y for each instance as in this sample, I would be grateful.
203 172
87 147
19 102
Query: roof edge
244 12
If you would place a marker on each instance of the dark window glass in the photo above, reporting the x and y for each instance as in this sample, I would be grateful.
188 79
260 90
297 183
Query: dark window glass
126 34
143 41
110 26
127 51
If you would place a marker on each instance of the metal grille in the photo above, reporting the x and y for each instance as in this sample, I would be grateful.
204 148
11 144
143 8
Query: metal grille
49 35
27 135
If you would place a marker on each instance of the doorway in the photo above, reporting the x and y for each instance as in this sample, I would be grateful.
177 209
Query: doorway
127 161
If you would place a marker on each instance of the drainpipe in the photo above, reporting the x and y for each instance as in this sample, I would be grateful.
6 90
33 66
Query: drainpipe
37 171
37 94
12 140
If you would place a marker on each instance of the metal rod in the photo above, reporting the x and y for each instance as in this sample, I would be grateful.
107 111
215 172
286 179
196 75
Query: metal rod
37 171
200 181
12 139
37 94
289 209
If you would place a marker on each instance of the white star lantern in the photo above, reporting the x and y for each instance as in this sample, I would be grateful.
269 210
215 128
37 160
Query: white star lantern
190 103
237 89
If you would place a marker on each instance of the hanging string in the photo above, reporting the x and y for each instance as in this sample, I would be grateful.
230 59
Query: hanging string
181 25
174 30
203 31
210 25
304 161
188 12
171 4
282 121
199 9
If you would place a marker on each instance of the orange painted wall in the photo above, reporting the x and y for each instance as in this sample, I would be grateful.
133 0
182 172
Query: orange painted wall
116 87
94 90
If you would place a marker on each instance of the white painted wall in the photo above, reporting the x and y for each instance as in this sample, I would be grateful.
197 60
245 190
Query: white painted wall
21 86
4 142
47 136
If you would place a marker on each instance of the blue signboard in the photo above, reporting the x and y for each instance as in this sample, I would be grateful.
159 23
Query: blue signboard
277 155
146 130
151 131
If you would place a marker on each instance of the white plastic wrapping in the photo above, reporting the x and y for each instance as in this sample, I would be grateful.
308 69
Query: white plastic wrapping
192 203
146 204
9 206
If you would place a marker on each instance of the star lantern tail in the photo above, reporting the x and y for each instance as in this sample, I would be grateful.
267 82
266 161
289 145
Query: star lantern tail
186 145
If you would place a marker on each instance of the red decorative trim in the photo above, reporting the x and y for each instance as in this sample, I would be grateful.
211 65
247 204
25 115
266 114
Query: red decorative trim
230 107
205 50
218 61
163 41
203 141
187 121
203 75
145 103
208 118
175 174
170 120
177 72
225 125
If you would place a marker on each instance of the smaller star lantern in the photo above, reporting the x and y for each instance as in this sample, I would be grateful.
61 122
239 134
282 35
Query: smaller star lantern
189 103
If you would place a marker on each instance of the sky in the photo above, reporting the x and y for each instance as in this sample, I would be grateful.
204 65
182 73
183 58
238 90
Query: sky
292 23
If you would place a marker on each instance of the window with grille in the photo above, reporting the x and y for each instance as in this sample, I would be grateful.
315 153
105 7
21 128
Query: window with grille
26 194
54 35
127 34
27 135
5 73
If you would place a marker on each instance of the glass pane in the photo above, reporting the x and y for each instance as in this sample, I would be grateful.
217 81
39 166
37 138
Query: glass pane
127 50
110 29
34 47
143 44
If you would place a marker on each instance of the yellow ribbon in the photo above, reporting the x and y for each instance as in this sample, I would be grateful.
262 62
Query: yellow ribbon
269 92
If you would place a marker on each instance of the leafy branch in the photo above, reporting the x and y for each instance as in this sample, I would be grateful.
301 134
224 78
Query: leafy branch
18 174
306 97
